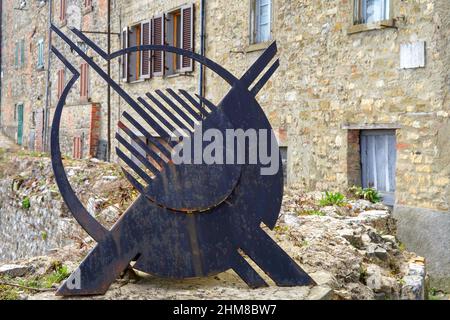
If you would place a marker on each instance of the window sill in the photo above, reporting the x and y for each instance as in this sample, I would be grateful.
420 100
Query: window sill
177 74
40 68
385 24
257 46
135 81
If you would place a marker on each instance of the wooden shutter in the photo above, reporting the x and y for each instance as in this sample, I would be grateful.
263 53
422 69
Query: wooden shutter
76 153
16 55
187 36
62 10
84 81
22 52
146 37
125 56
158 39
61 82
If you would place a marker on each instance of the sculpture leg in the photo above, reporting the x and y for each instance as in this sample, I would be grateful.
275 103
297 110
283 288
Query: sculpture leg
110 257
98 270
280 267
246 272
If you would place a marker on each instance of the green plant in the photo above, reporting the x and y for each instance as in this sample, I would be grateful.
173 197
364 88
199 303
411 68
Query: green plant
310 213
26 203
44 235
8 293
333 198
59 274
369 194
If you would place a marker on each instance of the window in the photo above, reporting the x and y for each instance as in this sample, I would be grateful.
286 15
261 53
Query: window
61 82
40 54
179 34
370 11
174 28
62 10
19 53
84 81
260 21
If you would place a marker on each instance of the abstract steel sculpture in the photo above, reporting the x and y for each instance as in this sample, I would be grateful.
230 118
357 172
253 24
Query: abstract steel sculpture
190 220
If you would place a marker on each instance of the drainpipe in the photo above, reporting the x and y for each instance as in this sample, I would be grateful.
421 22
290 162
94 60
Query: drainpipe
108 156
201 84
47 81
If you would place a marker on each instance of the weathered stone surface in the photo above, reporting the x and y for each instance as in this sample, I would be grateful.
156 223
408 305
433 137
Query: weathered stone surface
13 270
413 288
425 231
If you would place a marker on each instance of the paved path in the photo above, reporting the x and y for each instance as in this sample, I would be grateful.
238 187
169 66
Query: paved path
7 144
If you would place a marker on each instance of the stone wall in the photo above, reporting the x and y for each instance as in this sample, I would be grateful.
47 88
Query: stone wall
25 84
33 231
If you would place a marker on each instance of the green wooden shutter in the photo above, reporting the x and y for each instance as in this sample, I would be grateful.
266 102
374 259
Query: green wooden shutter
22 52
16 55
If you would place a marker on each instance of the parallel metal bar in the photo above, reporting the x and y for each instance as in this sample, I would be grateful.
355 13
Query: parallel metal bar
167 112
148 135
260 84
189 108
152 153
154 112
194 102
208 103
133 166
259 65
139 187
90 43
137 154
177 109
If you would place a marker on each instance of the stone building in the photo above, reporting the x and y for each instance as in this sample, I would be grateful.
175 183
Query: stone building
361 95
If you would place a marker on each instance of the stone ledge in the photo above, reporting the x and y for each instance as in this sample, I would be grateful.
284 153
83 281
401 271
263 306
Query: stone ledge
358 28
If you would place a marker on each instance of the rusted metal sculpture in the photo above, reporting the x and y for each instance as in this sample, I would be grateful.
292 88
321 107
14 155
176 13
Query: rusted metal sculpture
190 220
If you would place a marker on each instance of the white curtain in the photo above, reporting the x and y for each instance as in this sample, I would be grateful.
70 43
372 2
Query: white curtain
375 10
263 13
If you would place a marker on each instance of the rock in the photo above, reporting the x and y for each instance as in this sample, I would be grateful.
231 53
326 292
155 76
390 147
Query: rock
374 237
352 237
390 287
291 220
360 205
413 288
389 238
375 251
330 211
374 277
320 293
324 278
381 220
416 269
14 270
110 178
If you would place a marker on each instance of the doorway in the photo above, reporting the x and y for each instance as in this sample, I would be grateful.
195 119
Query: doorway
378 162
